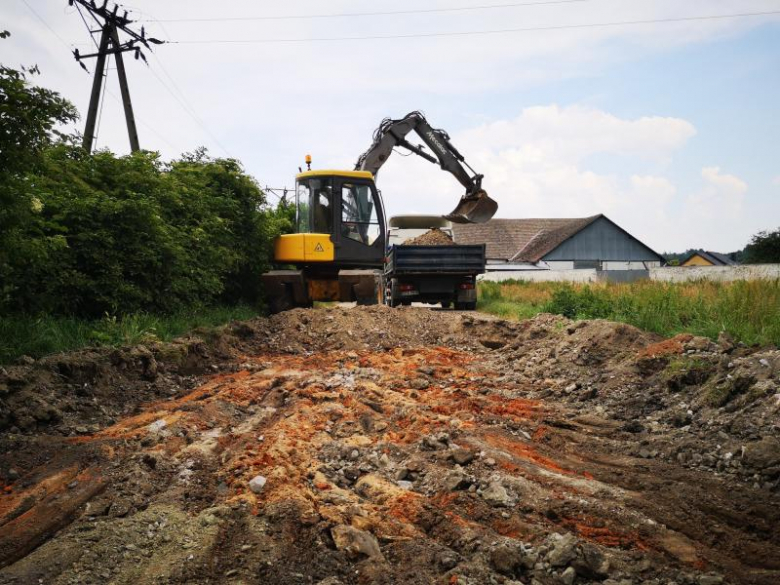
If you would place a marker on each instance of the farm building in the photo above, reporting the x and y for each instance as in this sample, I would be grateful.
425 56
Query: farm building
702 258
594 242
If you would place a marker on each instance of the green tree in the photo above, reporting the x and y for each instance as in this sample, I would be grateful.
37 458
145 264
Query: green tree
29 116
764 248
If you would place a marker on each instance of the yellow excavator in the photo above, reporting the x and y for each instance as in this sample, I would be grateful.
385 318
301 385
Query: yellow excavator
339 248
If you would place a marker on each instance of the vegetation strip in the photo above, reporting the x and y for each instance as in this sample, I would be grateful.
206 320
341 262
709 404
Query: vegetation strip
748 311
39 336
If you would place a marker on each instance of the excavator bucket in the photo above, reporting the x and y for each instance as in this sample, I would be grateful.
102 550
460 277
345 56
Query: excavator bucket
477 208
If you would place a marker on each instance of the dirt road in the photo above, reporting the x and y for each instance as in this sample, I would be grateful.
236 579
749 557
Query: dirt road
376 445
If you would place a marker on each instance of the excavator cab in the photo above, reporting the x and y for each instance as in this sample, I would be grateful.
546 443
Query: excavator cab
339 220
338 249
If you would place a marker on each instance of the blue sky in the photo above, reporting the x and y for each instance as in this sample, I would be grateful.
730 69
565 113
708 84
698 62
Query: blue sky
672 129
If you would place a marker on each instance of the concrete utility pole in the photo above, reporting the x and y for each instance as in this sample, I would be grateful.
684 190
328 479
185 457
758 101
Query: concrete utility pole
111 24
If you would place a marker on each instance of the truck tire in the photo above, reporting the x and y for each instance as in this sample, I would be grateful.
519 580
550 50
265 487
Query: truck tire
390 300
446 304
465 306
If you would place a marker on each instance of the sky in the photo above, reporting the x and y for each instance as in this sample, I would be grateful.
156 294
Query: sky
671 128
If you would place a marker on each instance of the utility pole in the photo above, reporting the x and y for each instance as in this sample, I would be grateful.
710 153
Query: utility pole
110 23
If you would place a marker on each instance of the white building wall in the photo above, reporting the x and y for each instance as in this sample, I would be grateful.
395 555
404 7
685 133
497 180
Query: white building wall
614 265
662 274
584 275
719 273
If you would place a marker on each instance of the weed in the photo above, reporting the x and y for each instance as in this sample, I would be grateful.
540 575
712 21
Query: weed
39 336
748 310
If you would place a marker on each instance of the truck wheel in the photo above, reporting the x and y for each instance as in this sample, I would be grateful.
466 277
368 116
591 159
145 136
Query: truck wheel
446 304
466 306
391 297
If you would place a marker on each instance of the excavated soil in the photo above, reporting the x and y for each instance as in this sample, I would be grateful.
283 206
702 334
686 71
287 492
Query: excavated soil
433 237
377 445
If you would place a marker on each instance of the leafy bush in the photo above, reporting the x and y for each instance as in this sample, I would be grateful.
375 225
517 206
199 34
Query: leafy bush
125 234
92 234
28 116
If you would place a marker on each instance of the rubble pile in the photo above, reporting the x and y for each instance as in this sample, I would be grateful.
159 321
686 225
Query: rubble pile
372 445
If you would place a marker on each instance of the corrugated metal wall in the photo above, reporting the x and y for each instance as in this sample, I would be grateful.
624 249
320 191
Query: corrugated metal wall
602 240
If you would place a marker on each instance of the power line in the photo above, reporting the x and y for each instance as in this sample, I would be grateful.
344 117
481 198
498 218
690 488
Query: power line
354 14
86 24
105 88
46 24
481 32
191 114
144 124
102 106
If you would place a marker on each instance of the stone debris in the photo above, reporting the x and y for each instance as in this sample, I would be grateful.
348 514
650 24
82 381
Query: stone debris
257 483
355 542
373 445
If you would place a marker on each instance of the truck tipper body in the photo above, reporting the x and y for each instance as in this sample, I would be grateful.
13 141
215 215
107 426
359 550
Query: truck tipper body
445 274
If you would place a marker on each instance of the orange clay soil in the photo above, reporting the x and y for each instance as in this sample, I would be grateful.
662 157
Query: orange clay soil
410 464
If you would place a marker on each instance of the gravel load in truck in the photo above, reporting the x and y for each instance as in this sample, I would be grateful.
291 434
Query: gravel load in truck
434 237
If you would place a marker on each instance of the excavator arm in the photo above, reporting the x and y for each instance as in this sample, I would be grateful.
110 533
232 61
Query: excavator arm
475 206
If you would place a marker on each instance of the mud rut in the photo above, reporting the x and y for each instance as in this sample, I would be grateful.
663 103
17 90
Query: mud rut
411 463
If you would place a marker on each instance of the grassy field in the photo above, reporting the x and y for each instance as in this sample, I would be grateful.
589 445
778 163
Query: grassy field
748 310
41 336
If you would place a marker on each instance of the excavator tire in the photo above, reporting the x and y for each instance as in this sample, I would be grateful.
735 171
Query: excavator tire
285 290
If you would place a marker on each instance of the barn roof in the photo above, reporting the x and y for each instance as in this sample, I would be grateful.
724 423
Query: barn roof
521 240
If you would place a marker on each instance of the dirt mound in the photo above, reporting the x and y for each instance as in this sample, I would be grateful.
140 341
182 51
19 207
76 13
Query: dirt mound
433 237
372 445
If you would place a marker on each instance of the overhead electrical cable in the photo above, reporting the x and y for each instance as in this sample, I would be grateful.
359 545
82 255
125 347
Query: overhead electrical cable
144 124
46 24
191 114
86 24
478 32
357 14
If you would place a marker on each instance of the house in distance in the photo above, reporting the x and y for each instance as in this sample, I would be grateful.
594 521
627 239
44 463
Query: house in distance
702 258
594 242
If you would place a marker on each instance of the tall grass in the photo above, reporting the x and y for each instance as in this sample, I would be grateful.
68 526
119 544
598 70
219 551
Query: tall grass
748 310
40 336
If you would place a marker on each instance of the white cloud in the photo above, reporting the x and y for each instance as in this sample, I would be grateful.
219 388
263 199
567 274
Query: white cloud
539 165
576 132
721 194
269 103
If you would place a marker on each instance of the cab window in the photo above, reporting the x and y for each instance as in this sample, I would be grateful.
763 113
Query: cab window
358 213
315 206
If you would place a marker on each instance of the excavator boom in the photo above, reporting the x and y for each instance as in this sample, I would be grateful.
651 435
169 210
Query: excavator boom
475 206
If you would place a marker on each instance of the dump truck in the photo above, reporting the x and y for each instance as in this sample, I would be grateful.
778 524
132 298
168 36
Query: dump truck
424 264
